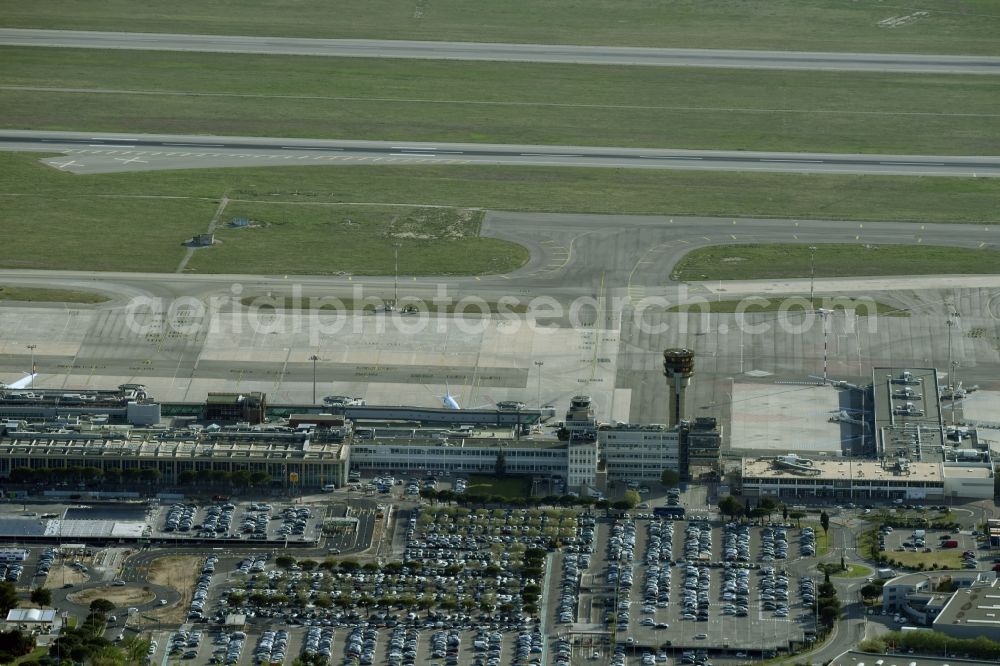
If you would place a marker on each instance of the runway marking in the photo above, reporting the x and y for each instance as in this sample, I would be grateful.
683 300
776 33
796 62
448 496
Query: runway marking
982 244
75 163
732 236
195 145
795 236
914 163
131 160
412 154
765 159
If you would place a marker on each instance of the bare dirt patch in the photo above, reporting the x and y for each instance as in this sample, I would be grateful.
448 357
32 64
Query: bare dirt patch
61 574
120 596
179 573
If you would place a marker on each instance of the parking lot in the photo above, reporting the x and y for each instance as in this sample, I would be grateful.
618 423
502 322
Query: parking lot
915 546
467 592
667 584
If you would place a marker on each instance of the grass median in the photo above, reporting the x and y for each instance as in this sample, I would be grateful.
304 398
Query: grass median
788 260
495 102
138 221
935 26
318 239
40 295
751 305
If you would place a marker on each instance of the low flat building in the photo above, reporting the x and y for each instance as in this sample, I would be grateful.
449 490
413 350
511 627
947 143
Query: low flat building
920 596
313 458
461 455
858 658
793 476
973 611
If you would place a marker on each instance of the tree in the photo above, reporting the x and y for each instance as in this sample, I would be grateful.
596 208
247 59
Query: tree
150 474
501 464
8 597
870 591
41 596
784 512
730 506
797 516
632 498
829 614
670 478
241 478
13 644
187 477
284 561
101 605
260 478
747 509
824 520
308 565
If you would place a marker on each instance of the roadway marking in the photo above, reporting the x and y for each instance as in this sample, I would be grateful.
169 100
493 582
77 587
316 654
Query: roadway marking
764 159
914 163
413 154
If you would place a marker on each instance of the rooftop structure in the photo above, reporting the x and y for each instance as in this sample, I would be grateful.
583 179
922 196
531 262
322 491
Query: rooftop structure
849 479
129 403
907 414
972 612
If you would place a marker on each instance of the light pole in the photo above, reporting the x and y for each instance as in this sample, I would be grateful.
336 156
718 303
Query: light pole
31 377
314 358
953 316
538 397
812 274
823 314
395 275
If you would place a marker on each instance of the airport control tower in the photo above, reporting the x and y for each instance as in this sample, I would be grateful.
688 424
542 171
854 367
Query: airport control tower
678 367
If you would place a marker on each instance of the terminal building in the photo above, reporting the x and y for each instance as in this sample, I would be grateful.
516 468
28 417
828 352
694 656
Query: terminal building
129 404
915 458
307 458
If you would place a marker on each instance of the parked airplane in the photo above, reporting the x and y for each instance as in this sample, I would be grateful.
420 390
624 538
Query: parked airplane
448 401
24 382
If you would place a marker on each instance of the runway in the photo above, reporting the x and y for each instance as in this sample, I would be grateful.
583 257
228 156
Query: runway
536 53
119 152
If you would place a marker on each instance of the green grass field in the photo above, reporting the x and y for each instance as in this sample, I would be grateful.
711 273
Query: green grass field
137 221
785 260
808 25
854 571
36 295
415 100
323 239
862 308
510 486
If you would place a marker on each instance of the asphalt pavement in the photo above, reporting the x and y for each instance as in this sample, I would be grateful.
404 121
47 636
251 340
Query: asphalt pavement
107 152
538 53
